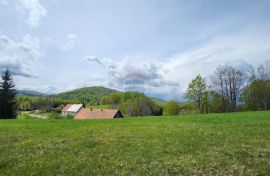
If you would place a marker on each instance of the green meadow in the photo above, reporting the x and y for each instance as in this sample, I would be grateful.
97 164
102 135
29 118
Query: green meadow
214 144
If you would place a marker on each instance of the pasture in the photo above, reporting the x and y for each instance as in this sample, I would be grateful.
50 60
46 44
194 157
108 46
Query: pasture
214 144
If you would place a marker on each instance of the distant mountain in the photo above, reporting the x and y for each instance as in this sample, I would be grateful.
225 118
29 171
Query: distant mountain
158 100
29 93
88 95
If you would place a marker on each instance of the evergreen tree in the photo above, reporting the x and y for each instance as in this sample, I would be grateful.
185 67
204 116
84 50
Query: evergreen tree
8 103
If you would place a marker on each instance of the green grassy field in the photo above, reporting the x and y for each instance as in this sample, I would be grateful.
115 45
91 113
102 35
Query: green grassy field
215 144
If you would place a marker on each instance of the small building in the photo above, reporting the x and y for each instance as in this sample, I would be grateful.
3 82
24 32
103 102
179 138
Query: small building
71 109
89 113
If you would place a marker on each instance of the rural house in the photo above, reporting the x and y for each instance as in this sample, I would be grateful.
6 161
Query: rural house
71 109
89 113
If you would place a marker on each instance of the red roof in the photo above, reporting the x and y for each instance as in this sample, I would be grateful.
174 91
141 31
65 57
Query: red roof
89 113
66 107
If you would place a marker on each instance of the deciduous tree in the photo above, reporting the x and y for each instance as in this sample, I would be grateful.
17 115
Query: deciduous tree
197 93
228 83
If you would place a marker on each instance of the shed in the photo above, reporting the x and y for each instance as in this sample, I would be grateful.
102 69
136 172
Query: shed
71 109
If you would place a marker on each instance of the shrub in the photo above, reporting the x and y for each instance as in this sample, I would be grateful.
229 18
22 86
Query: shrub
55 116
133 104
171 108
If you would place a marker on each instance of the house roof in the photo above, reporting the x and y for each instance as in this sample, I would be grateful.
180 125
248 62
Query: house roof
72 108
66 107
89 113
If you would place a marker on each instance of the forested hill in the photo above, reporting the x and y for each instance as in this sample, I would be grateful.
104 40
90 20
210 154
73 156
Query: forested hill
29 93
88 95
158 100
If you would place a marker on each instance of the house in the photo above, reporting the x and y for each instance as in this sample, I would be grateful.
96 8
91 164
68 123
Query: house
71 109
89 113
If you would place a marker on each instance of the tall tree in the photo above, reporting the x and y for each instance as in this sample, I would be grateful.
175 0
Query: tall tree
228 83
8 103
197 93
256 94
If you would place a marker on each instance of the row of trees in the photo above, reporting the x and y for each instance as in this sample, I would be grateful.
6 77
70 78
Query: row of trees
132 104
176 108
10 104
230 90
42 103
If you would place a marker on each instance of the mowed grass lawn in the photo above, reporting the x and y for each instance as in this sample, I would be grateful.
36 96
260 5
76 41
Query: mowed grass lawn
215 144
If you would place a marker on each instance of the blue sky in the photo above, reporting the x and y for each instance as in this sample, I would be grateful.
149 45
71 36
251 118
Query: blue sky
59 45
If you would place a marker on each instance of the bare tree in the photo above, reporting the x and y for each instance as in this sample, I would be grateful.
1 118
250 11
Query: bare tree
228 82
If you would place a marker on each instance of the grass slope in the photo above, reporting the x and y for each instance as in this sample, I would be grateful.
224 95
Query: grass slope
216 144
89 95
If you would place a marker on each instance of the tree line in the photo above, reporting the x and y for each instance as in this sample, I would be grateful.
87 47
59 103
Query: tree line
229 90
11 104
132 104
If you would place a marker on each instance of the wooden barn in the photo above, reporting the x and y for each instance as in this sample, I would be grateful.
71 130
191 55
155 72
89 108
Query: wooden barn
89 113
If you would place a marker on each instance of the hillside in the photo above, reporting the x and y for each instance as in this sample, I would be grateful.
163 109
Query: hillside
88 95
29 93
158 101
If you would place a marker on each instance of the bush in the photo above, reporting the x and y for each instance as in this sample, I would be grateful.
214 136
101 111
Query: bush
25 116
171 108
55 116
133 104
188 108
59 116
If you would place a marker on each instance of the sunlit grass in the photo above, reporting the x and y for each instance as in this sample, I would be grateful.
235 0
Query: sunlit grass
215 144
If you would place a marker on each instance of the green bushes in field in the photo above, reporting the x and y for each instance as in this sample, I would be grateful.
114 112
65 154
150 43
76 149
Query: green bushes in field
43 103
132 104
25 116
171 108
174 108
58 116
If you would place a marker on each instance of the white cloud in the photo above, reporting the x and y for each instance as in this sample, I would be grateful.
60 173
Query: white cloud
19 57
246 48
174 73
94 58
72 41
35 11
135 73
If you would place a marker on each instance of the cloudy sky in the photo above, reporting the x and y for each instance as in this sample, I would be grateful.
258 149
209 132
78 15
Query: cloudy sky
57 45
